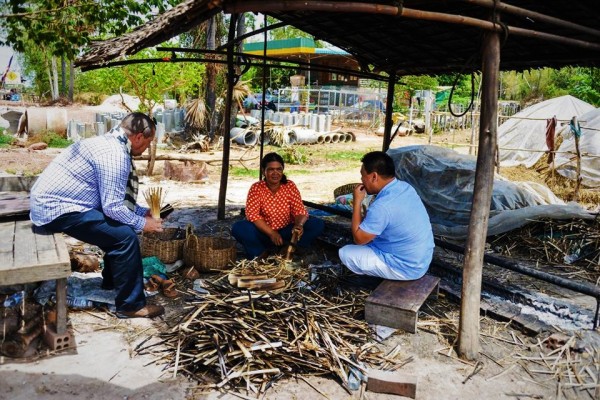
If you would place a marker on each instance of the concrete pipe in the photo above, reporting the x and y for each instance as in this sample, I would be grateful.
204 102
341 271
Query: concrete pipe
100 128
286 119
306 136
321 126
321 139
335 138
243 136
290 137
347 138
328 120
327 138
313 124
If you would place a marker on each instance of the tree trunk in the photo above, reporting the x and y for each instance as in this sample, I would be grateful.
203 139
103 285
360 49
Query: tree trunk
211 78
71 80
55 92
63 70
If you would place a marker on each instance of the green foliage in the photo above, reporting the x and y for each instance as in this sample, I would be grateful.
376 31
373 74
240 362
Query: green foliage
53 139
5 140
63 27
294 155
151 82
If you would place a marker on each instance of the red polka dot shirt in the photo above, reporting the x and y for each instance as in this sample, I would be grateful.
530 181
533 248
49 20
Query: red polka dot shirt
277 210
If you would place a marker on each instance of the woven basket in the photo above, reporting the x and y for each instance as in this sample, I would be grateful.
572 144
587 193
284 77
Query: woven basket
344 189
166 245
207 253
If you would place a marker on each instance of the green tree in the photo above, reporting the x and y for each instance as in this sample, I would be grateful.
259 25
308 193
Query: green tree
151 82
63 27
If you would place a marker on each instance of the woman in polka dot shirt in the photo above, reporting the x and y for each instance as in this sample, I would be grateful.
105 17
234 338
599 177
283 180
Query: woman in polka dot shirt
273 210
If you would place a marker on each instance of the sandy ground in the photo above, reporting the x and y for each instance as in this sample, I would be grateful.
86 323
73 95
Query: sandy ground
105 366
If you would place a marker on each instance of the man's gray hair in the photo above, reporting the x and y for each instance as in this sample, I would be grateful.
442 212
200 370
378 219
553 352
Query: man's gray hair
138 122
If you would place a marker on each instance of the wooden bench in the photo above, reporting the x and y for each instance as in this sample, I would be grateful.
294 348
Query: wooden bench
31 254
396 304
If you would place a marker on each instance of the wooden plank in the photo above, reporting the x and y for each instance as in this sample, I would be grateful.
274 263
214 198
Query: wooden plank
7 233
14 204
392 382
24 247
396 303
24 264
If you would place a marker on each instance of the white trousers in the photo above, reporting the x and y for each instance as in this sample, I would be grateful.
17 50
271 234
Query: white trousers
362 260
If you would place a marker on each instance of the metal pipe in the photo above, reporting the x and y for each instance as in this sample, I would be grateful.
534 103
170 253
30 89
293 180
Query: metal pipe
580 287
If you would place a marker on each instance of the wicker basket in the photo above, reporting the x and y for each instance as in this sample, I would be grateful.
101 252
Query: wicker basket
166 245
344 189
207 253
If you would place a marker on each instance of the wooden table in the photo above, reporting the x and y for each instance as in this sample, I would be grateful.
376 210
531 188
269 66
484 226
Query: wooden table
31 254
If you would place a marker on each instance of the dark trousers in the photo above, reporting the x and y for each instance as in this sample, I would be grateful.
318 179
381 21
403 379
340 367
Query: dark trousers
123 269
255 242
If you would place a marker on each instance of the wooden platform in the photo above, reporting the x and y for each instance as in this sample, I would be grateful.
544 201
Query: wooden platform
31 254
396 303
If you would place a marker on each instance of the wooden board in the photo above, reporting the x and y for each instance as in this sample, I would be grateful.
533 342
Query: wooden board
14 204
31 254
396 303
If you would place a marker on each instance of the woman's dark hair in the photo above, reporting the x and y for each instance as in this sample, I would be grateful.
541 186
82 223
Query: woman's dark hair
270 157
380 162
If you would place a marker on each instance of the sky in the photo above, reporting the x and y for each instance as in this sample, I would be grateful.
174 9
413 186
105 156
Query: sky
5 53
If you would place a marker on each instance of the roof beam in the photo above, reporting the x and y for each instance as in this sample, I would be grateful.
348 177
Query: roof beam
384 9
507 8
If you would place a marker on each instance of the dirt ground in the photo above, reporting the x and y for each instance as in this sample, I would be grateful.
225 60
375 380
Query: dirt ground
104 364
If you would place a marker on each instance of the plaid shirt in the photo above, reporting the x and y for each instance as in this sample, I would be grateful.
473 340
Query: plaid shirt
89 174
277 210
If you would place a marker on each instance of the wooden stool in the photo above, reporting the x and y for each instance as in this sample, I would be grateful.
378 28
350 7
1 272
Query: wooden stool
396 303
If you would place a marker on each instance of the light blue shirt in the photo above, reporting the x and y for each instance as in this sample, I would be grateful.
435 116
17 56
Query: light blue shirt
404 239
89 174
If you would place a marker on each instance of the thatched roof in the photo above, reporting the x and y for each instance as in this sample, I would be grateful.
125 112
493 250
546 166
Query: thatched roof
410 36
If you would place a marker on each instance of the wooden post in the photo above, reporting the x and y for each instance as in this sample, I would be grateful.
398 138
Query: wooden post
389 109
468 339
227 133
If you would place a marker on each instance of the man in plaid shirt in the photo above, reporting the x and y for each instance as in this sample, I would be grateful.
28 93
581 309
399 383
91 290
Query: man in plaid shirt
89 192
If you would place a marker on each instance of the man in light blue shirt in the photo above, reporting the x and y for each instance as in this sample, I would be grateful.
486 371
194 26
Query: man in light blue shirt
89 192
394 240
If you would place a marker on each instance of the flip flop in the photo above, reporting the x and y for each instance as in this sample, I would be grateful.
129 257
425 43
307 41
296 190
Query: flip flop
152 285
167 286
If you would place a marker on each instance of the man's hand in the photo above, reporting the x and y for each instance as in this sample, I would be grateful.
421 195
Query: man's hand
358 194
152 224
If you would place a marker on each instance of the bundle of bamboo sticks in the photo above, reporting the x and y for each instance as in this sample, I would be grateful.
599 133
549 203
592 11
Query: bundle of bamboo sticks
154 197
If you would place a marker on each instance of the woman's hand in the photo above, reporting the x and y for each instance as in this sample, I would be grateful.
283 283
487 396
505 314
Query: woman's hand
276 238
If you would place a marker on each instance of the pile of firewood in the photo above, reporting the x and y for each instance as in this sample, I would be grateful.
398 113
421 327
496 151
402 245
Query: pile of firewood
21 328
237 338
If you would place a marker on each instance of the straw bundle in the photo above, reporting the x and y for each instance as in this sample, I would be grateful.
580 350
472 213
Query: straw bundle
154 198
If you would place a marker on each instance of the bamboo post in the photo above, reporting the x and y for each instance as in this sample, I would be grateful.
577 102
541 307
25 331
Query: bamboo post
578 159
468 339
227 134
389 104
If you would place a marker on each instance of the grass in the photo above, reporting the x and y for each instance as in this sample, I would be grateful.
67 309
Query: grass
346 155
5 140
52 139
